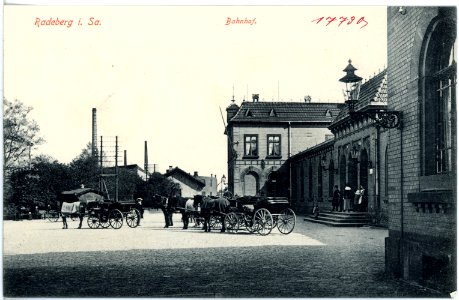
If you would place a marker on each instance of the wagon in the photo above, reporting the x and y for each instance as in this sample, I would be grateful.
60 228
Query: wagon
261 215
112 214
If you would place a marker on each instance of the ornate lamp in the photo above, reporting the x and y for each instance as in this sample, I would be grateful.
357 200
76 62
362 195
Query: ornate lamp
382 117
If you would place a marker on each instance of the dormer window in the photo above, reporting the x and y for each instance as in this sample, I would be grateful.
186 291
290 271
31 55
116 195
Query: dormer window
248 113
328 113
272 113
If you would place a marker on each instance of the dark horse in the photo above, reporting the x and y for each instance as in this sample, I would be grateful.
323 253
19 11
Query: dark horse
212 206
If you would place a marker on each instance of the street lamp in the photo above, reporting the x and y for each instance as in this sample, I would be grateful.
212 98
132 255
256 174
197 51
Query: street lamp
382 117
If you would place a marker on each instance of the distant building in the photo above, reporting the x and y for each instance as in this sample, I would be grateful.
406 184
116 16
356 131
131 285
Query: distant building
192 185
133 169
263 135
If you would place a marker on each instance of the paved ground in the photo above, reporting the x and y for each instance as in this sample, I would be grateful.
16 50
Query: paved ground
41 259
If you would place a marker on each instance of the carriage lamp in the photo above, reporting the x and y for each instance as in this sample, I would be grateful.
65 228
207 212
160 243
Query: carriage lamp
382 117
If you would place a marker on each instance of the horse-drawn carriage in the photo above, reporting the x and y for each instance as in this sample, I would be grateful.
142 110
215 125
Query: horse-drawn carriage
100 213
112 214
260 215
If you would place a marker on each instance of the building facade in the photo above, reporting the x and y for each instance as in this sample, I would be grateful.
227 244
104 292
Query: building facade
355 156
263 135
422 72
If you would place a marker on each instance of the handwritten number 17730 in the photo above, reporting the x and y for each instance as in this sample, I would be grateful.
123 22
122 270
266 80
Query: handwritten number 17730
339 21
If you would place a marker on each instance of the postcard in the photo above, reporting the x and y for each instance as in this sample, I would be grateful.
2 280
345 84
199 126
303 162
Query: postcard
209 151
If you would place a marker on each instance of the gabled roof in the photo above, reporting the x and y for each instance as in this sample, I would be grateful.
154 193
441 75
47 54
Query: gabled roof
373 94
273 112
178 171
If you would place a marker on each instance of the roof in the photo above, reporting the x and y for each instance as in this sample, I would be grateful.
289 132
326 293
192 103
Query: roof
373 94
177 170
73 195
274 112
322 147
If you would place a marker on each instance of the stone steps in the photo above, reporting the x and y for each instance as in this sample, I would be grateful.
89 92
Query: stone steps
340 219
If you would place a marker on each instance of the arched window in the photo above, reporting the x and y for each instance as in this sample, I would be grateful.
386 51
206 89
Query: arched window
438 73
310 181
319 182
386 174
331 178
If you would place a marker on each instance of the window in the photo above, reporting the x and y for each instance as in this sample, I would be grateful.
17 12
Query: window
310 181
319 183
439 97
331 178
251 145
274 145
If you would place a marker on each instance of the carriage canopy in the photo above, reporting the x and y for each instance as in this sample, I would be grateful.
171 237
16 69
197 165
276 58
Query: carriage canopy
83 195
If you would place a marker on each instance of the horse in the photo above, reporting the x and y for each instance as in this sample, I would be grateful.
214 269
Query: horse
212 206
188 208
71 209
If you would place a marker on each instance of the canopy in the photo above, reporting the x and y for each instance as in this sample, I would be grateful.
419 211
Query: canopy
83 195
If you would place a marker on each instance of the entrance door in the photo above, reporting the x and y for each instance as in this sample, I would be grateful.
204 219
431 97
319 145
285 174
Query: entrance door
250 184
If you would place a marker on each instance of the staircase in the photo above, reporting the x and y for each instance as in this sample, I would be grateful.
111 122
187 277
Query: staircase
340 219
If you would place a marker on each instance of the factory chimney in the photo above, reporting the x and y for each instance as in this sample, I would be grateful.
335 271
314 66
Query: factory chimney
125 158
94 134
146 161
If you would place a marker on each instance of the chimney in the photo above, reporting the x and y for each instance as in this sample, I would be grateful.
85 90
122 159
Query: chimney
125 158
307 99
170 168
195 174
94 133
255 97
211 176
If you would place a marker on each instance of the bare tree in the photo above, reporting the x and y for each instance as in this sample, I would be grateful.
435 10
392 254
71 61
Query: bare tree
20 134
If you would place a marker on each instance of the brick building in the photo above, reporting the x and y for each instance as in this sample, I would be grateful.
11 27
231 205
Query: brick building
422 155
356 155
263 135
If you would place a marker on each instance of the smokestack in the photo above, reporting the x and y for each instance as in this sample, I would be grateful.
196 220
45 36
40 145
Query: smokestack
146 161
125 157
94 133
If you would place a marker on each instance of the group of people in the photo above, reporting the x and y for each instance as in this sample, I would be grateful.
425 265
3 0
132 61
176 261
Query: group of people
347 200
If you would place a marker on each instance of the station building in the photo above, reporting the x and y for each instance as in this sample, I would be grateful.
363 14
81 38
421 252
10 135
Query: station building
422 70
263 135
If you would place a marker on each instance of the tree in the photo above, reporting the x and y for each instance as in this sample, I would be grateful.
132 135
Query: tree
157 184
40 185
84 169
20 134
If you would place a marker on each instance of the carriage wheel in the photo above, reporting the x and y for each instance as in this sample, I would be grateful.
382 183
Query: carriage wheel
263 221
247 222
215 222
115 218
133 218
286 221
231 222
93 221
104 220
52 216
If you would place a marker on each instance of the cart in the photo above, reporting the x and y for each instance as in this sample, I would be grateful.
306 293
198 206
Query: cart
260 215
112 214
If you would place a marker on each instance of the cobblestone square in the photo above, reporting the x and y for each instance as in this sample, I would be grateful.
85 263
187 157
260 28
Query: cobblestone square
42 260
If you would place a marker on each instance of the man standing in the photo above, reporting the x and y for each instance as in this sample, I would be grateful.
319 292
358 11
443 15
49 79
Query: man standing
347 197
336 199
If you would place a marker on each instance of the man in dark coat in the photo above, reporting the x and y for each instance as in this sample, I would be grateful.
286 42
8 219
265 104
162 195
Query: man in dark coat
336 199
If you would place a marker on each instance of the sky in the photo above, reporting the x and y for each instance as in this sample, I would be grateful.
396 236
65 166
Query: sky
162 74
